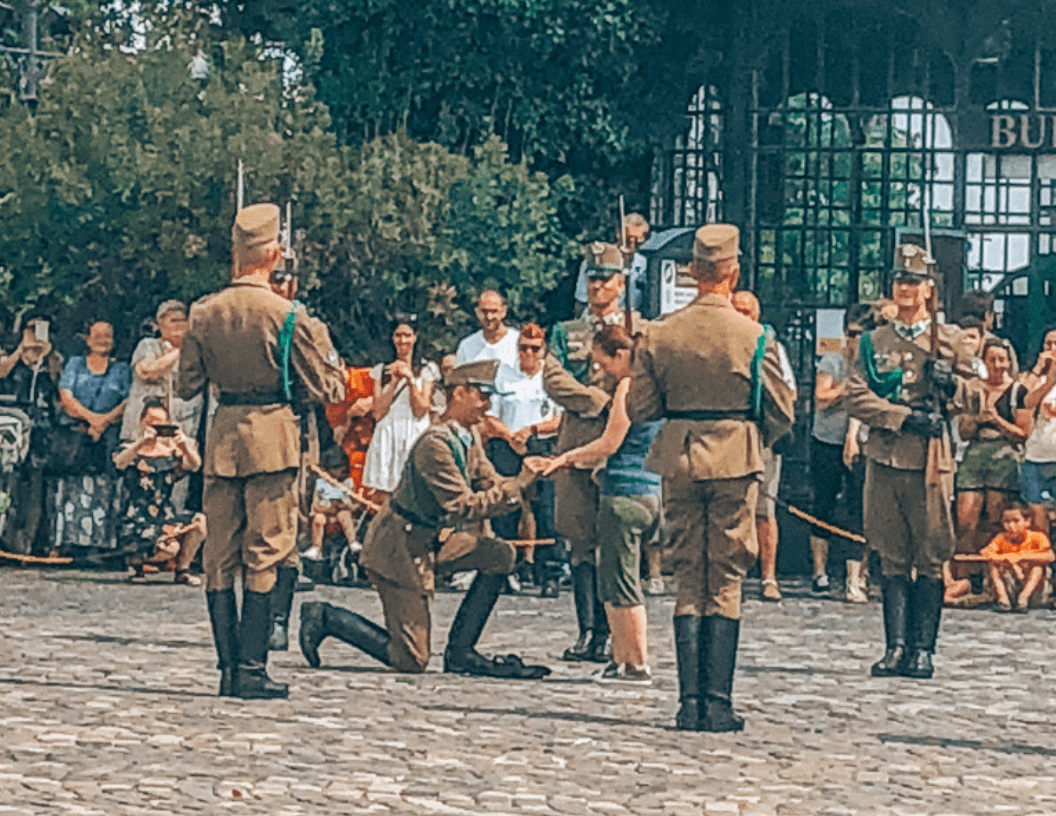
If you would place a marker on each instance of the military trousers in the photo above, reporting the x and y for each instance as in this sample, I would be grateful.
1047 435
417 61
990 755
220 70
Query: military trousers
711 525
252 523
576 512
907 521
408 610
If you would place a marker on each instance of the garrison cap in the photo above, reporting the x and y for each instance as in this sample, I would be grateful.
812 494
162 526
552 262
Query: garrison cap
912 263
255 226
605 261
480 374
716 242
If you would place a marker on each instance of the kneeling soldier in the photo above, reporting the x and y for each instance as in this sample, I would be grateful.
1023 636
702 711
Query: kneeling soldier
447 482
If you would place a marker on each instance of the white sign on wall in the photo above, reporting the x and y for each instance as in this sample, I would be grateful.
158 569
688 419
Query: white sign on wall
677 288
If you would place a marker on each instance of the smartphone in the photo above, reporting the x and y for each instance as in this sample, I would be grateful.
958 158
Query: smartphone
41 329
166 430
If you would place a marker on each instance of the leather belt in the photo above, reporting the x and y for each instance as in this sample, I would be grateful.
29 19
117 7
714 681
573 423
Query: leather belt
258 398
412 517
709 415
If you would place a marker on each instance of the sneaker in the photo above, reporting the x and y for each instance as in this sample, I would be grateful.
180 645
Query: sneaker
460 581
771 591
513 584
313 554
821 584
855 594
625 673
655 586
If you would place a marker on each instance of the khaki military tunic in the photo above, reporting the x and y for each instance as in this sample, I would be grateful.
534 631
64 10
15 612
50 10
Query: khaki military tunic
253 448
907 520
697 363
584 392
402 550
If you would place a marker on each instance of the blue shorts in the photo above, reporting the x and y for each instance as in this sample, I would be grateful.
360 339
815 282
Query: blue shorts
1039 482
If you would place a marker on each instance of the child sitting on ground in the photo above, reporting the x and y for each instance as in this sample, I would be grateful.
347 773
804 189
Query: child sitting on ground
332 501
1021 555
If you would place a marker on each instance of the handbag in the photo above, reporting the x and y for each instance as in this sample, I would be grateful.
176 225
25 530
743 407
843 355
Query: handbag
70 451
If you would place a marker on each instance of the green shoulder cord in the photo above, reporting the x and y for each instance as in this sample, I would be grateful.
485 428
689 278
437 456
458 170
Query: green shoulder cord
887 385
286 348
756 407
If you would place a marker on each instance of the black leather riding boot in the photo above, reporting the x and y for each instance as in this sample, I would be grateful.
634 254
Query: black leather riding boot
223 617
469 622
253 682
927 607
690 666
721 635
323 620
584 579
281 604
895 590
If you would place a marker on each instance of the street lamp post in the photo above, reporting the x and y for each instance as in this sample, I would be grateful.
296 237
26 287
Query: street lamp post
30 62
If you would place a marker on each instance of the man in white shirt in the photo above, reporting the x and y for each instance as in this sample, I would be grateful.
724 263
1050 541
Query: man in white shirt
495 340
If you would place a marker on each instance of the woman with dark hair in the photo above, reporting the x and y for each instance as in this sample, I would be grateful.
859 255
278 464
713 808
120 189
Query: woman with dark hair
630 515
29 380
995 426
150 528
403 393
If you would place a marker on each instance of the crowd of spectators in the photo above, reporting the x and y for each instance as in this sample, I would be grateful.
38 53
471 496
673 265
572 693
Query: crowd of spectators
100 457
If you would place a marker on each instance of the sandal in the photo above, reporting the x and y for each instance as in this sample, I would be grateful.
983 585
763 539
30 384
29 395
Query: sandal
187 578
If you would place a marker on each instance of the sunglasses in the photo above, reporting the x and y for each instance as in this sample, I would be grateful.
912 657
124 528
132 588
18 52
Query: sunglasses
533 348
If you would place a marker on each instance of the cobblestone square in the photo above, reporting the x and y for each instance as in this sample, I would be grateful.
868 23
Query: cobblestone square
108 706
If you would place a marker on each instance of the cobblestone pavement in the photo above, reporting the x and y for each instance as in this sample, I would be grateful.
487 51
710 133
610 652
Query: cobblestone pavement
107 706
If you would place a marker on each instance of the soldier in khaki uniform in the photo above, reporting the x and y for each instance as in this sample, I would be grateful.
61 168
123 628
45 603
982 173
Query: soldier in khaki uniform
896 389
583 390
253 448
430 524
716 377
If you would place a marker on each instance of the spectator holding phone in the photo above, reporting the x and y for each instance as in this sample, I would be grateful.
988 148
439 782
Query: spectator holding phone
150 528
29 380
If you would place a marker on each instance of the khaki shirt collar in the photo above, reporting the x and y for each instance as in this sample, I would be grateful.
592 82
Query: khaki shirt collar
257 284
614 318
712 299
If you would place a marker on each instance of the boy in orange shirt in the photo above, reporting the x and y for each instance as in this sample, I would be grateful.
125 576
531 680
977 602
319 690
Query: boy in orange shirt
1020 553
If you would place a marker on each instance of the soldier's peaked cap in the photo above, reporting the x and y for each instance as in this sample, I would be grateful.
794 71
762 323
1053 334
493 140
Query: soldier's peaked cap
913 263
605 260
716 242
480 374
255 225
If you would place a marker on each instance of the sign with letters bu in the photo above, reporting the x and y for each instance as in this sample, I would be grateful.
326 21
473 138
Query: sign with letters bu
1023 131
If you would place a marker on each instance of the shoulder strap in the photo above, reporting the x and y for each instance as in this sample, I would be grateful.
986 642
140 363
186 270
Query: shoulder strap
286 348
887 385
756 407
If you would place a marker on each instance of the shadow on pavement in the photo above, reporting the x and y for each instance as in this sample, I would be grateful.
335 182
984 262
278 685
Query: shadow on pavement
15 681
975 745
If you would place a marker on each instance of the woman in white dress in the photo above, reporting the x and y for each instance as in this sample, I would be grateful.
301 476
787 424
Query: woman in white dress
403 393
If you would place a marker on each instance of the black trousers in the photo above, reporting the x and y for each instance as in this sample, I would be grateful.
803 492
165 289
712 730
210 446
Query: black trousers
549 560
832 480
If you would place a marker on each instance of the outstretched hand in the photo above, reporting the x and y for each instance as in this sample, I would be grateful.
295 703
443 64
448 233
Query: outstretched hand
539 465
556 464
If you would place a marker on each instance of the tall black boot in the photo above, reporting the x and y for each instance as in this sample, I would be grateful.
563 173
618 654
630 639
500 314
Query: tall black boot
927 612
461 656
599 649
253 682
688 654
721 635
584 579
323 620
223 617
896 612
281 604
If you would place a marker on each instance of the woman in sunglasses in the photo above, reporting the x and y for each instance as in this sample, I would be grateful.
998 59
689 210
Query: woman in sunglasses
527 421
